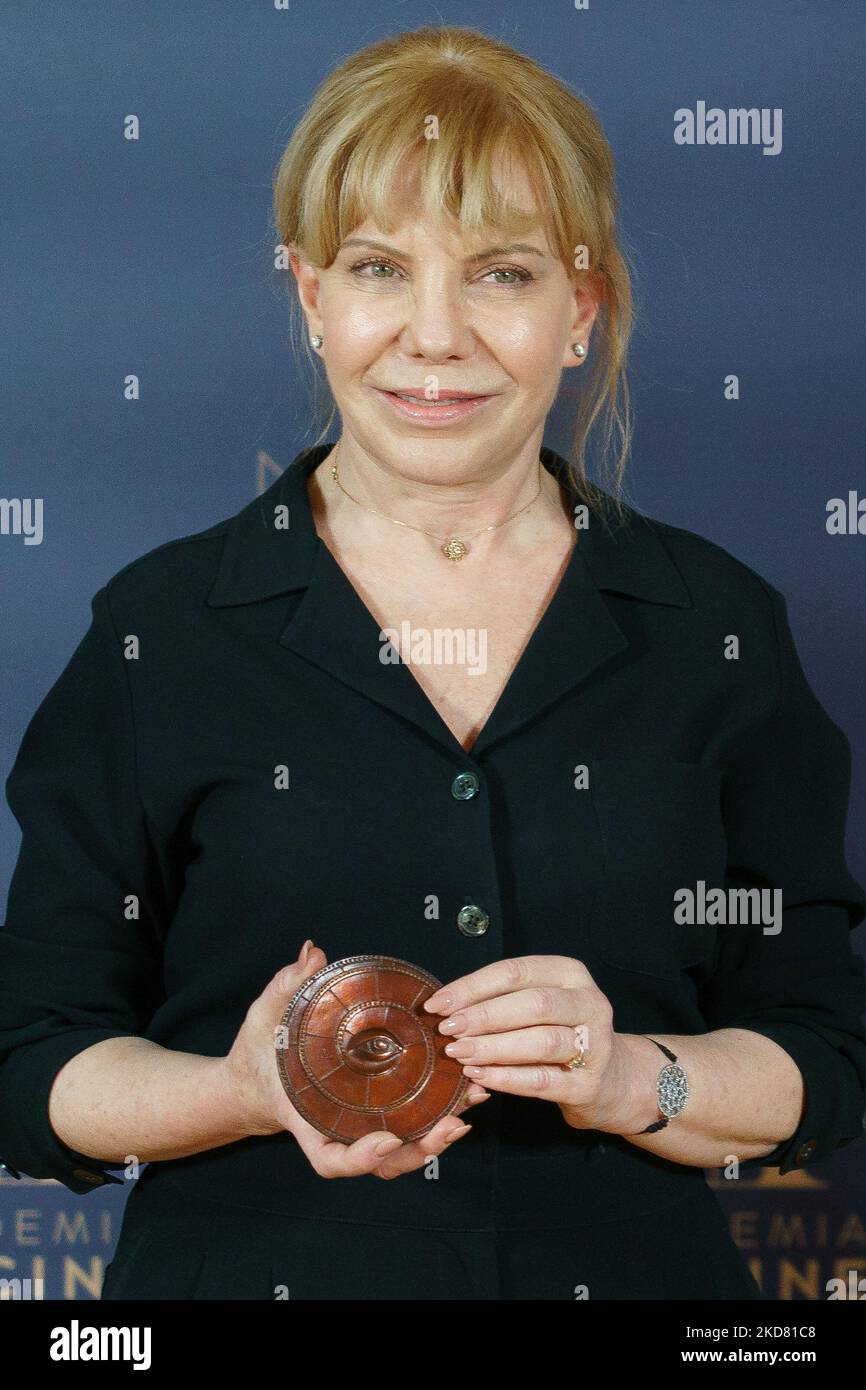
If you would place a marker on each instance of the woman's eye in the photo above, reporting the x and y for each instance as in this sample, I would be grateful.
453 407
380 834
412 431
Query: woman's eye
376 266
520 277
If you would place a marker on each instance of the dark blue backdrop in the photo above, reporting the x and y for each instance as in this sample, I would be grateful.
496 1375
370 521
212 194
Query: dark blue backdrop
154 257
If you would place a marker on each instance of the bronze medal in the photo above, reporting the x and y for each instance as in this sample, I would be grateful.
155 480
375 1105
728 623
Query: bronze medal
356 1051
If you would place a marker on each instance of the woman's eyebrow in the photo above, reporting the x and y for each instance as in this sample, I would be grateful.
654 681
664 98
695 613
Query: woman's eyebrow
476 256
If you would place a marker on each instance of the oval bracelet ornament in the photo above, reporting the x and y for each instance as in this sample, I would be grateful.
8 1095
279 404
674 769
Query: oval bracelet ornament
357 1053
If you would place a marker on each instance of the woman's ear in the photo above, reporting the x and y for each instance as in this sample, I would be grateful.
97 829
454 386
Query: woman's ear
308 282
588 296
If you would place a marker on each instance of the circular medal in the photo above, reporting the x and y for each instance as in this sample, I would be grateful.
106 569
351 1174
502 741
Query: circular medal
356 1052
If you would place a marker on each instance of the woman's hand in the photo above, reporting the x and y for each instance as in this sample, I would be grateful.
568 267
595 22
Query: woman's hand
252 1080
518 1021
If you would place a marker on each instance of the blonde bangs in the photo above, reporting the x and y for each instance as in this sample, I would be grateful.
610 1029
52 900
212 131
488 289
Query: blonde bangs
459 175
462 173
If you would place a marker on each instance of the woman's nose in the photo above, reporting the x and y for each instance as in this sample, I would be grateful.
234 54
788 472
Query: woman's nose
437 319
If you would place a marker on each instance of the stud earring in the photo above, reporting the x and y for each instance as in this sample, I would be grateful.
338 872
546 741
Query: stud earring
316 340
578 349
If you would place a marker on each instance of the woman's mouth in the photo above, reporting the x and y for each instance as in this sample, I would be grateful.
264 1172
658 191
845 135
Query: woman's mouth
447 406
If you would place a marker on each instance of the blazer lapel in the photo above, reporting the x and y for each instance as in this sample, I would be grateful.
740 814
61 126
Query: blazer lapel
334 630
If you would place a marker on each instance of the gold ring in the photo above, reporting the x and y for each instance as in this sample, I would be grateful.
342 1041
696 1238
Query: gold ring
579 1059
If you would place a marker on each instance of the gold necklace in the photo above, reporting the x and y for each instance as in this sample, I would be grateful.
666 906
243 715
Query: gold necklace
453 547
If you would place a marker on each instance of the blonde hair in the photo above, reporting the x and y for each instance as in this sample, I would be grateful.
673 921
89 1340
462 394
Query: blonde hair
367 122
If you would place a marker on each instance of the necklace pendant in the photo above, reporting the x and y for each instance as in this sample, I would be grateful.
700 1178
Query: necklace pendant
455 549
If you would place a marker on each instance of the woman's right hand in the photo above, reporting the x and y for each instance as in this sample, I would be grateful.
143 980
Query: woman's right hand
263 1107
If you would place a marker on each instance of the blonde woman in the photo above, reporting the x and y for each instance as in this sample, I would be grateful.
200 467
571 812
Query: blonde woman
263 790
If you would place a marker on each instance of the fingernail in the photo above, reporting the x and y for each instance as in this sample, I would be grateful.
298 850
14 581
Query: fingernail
442 1004
305 952
453 1025
458 1134
389 1146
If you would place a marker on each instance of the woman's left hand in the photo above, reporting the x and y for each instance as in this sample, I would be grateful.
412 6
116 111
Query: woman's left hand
516 1023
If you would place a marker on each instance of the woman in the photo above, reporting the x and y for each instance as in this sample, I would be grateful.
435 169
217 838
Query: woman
233 763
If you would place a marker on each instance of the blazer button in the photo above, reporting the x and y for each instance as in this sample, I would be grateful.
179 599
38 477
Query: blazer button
472 920
805 1151
85 1175
465 786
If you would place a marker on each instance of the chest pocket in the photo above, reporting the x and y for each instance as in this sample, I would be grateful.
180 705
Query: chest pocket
661 830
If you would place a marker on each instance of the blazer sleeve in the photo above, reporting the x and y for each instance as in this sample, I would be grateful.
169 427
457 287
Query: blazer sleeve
784 801
79 961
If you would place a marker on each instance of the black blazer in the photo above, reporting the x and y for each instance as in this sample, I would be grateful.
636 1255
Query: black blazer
158 777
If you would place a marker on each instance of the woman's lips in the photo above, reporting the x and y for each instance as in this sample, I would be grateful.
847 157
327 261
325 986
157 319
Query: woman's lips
410 406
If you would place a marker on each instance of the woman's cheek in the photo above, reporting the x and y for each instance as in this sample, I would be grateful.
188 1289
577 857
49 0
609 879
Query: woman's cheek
362 324
525 347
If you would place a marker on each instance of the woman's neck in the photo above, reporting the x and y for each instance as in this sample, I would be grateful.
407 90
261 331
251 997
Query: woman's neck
465 509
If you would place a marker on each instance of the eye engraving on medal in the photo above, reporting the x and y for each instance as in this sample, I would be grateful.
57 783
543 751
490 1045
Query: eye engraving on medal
372 1051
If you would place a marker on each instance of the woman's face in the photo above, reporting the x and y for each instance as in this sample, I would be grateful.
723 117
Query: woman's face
477 335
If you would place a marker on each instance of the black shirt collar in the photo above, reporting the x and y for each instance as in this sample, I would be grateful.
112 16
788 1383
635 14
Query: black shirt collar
332 628
260 559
